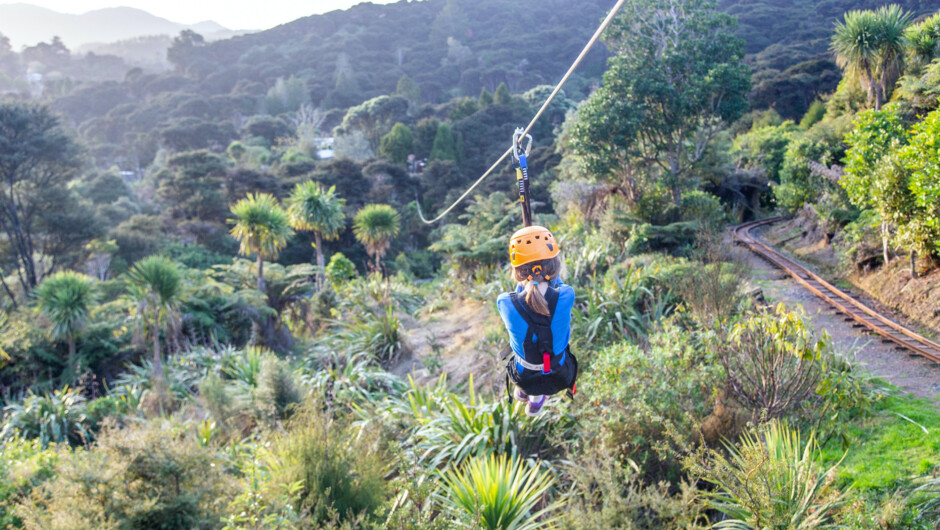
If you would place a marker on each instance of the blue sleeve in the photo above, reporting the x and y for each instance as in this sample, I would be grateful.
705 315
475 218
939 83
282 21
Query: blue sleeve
561 321
515 325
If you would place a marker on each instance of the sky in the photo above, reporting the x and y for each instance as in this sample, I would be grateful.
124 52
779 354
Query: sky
233 14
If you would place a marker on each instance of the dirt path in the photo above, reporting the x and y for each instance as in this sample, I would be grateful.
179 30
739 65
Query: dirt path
908 372
460 340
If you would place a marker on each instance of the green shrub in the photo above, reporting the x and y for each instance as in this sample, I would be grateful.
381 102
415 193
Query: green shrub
703 208
627 304
709 285
770 479
223 408
378 335
498 493
59 417
762 149
263 503
656 206
635 400
799 184
152 475
859 243
675 238
814 114
607 493
341 468
245 367
450 428
480 238
340 270
111 407
351 379
24 465
771 359
277 390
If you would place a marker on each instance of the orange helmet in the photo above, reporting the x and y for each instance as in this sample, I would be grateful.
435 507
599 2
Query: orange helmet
532 243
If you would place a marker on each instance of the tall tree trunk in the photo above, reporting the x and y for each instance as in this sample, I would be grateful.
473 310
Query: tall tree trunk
9 292
674 171
320 261
884 240
913 264
71 360
873 87
260 272
883 84
157 359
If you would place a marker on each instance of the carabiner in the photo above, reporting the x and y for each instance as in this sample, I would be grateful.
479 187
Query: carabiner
517 138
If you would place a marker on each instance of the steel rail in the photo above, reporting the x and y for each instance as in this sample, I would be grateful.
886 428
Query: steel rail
861 313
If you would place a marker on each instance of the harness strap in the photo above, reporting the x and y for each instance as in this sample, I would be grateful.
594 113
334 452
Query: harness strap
539 325
529 366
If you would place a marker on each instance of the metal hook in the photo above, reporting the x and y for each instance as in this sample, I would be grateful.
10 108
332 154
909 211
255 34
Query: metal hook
517 138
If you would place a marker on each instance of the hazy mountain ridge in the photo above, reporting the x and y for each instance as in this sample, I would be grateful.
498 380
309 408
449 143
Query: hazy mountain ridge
26 25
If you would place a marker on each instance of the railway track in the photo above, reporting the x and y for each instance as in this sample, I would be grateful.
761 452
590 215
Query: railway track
853 310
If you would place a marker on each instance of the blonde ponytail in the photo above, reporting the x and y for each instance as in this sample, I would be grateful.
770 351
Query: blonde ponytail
535 299
529 275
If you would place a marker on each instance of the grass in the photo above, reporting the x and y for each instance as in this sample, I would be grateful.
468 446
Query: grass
887 450
846 285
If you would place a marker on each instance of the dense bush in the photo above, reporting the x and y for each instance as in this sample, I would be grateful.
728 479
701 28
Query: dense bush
800 183
628 303
609 493
342 468
703 208
624 391
24 464
675 238
448 429
772 360
59 417
153 475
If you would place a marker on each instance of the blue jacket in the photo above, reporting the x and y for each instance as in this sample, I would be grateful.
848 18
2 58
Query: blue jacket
561 321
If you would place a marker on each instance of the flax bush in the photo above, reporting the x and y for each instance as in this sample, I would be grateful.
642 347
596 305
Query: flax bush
450 428
498 493
770 479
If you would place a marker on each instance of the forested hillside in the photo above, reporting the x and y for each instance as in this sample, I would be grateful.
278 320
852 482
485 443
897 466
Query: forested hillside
220 307
788 47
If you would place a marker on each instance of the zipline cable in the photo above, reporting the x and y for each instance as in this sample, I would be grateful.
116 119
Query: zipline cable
551 97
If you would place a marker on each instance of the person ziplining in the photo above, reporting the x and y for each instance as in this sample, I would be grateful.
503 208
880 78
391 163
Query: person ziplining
537 314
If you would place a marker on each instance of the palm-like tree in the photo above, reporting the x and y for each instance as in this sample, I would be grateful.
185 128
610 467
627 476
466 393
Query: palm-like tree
155 284
314 209
924 41
857 46
892 24
375 225
65 299
262 227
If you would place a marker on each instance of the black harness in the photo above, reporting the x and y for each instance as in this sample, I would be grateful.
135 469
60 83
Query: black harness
542 374
539 351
